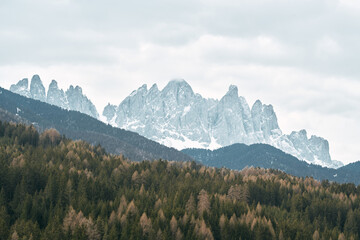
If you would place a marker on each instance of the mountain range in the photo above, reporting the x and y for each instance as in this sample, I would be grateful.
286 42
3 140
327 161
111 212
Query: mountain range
71 99
239 156
176 116
79 126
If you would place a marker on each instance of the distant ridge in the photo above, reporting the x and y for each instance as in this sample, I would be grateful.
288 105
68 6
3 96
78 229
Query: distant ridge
239 156
76 125
71 99
176 116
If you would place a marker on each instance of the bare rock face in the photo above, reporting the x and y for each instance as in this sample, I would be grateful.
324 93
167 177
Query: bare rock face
79 102
37 89
179 118
56 96
73 99
22 87
109 112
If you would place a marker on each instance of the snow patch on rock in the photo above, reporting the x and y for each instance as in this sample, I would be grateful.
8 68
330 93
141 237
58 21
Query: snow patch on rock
72 99
179 118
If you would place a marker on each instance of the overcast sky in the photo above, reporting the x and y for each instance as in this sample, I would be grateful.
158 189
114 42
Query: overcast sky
301 56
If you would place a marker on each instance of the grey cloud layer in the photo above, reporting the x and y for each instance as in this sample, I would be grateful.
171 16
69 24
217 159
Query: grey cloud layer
320 36
298 54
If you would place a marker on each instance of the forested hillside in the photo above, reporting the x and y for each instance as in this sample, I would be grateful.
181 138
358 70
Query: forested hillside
55 188
239 156
76 125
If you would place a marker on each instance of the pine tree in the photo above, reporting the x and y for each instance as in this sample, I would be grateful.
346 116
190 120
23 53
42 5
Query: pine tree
14 236
4 223
203 202
203 232
316 235
341 236
350 224
179 235
190 205
173 225
146 225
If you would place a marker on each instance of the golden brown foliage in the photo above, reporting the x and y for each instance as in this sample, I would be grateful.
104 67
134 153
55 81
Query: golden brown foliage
203 202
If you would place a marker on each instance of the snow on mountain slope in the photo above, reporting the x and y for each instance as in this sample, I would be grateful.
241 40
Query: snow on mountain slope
56 96
178 117
79 102
22 88
72 99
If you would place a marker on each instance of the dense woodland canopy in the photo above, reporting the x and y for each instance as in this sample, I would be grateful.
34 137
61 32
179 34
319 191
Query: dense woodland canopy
55 188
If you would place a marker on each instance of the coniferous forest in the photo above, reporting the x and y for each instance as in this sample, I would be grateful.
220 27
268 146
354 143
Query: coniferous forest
56 188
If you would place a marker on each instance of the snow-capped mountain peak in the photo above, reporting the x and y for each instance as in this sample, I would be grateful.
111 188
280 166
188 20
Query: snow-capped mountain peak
56 96
233 91
72 99
178 89
177 117
109 113
37 89
140 91
79 102
22 87
154 88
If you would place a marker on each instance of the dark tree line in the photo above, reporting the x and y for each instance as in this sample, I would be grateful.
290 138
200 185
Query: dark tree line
55 188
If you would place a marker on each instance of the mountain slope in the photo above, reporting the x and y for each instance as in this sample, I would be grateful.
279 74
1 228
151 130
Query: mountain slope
76 125
72 99
349 173
239 156
58 189
178 117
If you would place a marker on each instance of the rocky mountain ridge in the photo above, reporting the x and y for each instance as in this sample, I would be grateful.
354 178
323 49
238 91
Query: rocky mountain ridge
72 99
79 126
177 117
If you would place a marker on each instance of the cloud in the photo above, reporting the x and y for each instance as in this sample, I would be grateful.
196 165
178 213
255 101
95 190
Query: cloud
301 56
352 6
328 47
